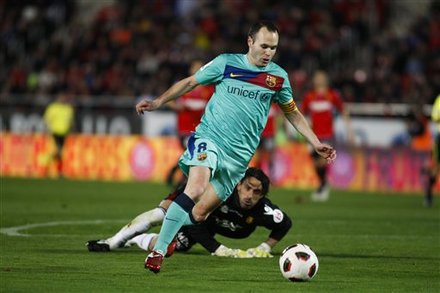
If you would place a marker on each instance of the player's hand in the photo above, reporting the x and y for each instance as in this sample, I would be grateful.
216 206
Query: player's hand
147 105
238 253
224 251
326 151
262 250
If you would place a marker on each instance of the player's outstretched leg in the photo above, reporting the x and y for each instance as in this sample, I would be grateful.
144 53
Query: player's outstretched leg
144 241
140 224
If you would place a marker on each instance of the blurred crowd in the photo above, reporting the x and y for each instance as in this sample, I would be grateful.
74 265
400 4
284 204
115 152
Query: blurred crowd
131 48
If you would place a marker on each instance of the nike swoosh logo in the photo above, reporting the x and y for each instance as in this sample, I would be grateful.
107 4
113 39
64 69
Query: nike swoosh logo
235 75
171 220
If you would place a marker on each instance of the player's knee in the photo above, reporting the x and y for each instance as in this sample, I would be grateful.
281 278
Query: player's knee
199 214
199 217
195 191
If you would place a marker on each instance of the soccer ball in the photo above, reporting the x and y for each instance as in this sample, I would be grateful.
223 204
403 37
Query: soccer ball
298 263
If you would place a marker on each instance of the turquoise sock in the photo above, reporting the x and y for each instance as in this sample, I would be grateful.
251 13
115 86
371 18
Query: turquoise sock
176 217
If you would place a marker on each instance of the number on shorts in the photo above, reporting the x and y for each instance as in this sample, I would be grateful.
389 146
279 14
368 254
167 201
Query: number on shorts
201 147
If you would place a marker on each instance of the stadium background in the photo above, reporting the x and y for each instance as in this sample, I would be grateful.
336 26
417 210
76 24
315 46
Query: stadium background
381 55
371 236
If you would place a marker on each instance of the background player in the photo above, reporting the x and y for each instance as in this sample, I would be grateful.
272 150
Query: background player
247 208
320 105
189 109
225 140
59 118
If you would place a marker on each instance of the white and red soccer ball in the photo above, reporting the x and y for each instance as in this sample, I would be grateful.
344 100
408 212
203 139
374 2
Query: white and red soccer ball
298 263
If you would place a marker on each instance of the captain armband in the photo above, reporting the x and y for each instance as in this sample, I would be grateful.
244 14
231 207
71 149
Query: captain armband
289 107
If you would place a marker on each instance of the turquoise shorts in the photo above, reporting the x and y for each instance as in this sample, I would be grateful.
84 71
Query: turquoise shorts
226 172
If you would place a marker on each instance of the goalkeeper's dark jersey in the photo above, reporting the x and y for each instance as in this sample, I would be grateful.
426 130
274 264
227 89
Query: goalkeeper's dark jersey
230 220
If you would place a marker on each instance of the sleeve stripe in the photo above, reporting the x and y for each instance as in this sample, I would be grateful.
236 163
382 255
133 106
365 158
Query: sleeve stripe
289 107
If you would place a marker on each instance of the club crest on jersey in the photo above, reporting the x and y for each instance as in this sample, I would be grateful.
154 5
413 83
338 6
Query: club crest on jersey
271 81
202 156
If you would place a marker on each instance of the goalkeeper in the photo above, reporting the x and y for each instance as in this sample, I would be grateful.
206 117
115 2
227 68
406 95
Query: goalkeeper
237 217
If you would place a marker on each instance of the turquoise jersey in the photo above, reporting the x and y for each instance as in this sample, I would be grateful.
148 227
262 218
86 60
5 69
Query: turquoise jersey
237 112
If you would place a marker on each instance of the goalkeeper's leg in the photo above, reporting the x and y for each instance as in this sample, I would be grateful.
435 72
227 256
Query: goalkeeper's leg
138 225
144 241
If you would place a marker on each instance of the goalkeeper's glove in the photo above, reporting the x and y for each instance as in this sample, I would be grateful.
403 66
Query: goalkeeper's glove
229 252
262 250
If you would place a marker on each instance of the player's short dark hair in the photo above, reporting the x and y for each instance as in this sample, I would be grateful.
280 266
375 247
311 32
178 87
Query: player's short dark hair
255 28
260 175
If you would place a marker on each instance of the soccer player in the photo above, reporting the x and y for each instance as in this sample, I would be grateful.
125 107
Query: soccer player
247 208
321 104
220 149
189 109
58 117
435 169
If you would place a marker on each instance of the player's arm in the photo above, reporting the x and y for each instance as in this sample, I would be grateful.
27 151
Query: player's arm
176 90
294 116
175 106
271 242
279 230
279 224
209 73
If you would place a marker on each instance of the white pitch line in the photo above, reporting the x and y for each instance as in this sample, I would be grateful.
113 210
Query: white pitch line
15 231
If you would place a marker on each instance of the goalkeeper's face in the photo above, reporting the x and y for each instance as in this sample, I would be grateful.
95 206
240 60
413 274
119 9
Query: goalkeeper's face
250 191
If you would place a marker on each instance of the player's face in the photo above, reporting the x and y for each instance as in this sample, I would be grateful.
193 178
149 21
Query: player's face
249 192
320 80
262 47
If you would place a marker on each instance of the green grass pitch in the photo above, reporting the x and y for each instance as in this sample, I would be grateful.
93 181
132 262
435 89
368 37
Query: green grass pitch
364 242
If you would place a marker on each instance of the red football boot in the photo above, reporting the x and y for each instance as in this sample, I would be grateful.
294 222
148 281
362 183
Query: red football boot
171 248
154 261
